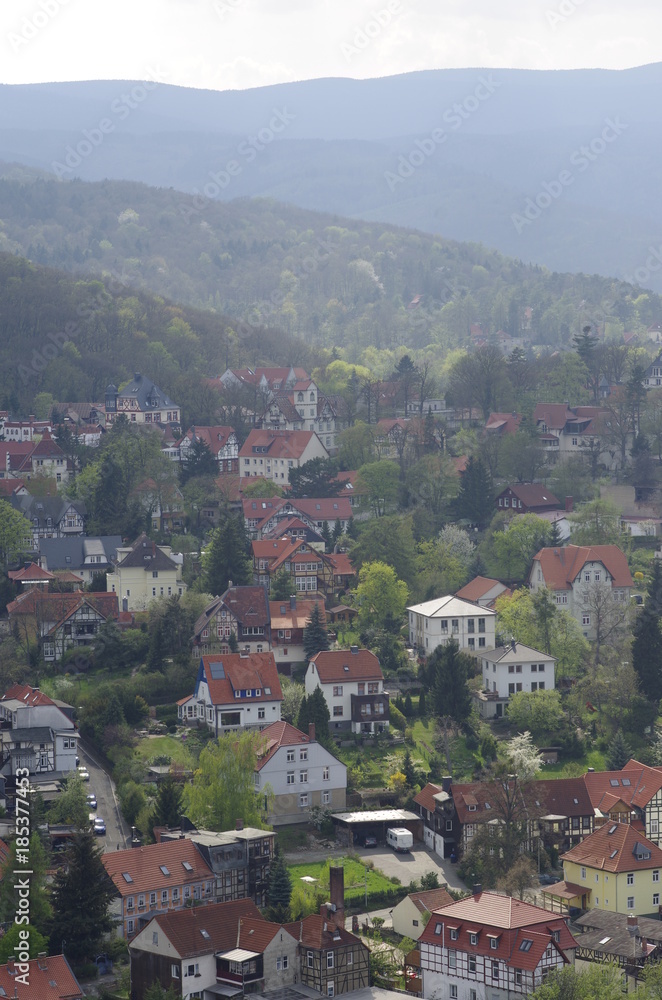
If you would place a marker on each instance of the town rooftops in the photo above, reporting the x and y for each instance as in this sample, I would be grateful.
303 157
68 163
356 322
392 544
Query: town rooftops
635 785
314 931
426 796
199 930
532 494
503 423
48 977
236 678
561 566
448 607
148 395
26 695
477 588
616 847
55 607
156 867
347 664
278 444
284 616
566 797
146 554
275 736
248 605
430 899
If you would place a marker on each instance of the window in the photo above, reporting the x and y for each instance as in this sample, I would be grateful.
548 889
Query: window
303 777
656 899
325 774
453 934
415 923
495 970
326 798
303 755
337 691
586 619
337 711
303 801
583 873
452 958
472 964
453 992
290 756
656 875
494 943
174 971
164 895
473 938
152 899
309 959
330 991
470 625
350 958
630 903
518 977
260 713
472 995
630 878
130 924
329 959
290 777
655 826
282 963
437 928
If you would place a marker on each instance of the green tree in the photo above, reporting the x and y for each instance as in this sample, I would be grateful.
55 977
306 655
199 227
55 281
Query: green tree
597 523
71 804
168 804
379 481
517 617
227 556
314 709
10 942
381 597
475 501
199 462
282 585
293 695
356 446
81 894
15 533
540 712
448 671
389 540
408 769
618 753
158 992
315 635
513 548
223 785
316 478
279 892
647 638
132 800
596 981
40 899
430 880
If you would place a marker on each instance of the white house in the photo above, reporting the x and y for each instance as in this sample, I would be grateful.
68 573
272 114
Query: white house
435 623
489 947
273 454
36 734
411 914
509 669
234 691
301 774
352 683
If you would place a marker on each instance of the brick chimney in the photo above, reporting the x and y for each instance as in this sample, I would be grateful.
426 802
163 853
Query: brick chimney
337 895
569 504
633 925
239 824
293 602
311 732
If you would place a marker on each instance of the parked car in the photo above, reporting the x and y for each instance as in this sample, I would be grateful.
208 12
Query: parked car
369 840
84 773
92 800
99 826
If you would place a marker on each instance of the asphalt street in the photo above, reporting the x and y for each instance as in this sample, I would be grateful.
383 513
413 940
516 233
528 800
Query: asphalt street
118 834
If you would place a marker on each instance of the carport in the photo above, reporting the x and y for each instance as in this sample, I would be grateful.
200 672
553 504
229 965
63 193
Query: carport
353 827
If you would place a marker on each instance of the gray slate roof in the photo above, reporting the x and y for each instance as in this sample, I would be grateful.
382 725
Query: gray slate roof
69 553
148 395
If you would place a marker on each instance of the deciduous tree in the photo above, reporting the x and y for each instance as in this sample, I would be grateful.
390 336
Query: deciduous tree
223 786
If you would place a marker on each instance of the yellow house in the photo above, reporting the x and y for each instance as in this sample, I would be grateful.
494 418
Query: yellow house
617 869
144 572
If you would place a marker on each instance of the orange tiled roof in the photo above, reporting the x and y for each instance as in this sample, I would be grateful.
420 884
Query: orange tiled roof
561 566
616 847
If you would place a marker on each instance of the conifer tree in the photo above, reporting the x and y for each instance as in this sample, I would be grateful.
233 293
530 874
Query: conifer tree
315 635
619 753
279 892
227 557
81 894
449 670
315 709
168 807
647 642
408 769
281 586
475 501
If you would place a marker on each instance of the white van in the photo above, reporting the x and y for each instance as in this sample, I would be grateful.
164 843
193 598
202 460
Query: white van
400 839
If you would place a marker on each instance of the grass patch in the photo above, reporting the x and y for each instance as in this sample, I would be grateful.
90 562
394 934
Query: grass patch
575 767
291 838
355 876
165 746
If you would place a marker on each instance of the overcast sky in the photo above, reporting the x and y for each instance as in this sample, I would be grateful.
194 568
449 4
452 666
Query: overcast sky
230 44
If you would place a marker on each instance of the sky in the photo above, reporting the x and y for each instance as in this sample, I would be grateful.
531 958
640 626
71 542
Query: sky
238 44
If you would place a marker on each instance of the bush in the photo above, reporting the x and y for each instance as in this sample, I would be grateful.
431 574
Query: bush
397 719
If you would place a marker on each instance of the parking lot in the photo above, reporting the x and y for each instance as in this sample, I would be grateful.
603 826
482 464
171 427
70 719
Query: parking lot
411 866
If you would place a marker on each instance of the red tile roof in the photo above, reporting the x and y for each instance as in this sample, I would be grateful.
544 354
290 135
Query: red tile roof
143 866
55 607
324 508
426 796
316 932
341 563
614 847
48 978
504 423
343 664
219 921
242 672
532 494
285 617
564 797
28 695
477 588
215 437
635 784
561 566
278 444
430 899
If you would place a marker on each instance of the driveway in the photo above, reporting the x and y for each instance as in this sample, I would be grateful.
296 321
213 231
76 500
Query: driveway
411 866
117 832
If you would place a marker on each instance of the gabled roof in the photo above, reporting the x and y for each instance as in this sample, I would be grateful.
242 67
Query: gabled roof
430 899
474 802
504 423
347 664
27 695
532 494
553 415
201 930
47 978
143 866
635 784
231 672
277 735
616 847
315 932
324 508
426 796
341 563
70 553
148 395
30 573
215 437
561 566
478 587
278 444
285 617
55 607
514 652
146 554
563 797
446 607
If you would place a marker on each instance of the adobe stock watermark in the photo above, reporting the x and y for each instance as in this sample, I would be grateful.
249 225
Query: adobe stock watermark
453 118
40 360
365 34
580 159
559 15
246 153
642 274
31 26
120 109
269 308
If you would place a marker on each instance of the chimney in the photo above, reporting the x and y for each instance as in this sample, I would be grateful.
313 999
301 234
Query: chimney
229 584
239 824
633 925
354 649
591 770
446 783
513 645
311 732
137 376
125 604
477 888
569 504
293 602
337 894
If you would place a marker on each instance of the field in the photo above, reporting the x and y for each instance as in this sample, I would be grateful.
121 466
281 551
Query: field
355 877
151 747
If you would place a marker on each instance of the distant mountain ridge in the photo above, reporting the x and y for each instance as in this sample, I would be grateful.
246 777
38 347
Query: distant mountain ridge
470 150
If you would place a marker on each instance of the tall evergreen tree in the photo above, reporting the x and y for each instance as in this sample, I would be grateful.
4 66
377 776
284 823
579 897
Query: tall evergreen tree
449 669
199 462
282 585
315 709
647 641
408 769
81 894
227 557
618 753
315 635
475 501
168 804
279 892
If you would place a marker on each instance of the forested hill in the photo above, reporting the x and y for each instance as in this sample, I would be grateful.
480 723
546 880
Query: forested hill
70 338
327 280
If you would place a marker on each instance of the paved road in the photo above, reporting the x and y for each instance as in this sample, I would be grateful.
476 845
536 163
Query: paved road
409 867
117 832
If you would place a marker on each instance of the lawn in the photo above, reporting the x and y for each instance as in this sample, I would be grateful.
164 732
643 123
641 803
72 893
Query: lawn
576 766
174 747
355 876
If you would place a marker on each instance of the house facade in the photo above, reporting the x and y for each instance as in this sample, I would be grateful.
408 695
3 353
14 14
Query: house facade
142 402
527 498
240 611
411 913
313 572
491 947
507 670
301 773
36 734
51 517
60 621
438 622
145 571
273 454
81 555
288 621
221 441
234 691
352 683
482 590
574 573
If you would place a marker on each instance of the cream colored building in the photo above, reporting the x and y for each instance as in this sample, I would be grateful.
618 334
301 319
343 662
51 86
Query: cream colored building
144 572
